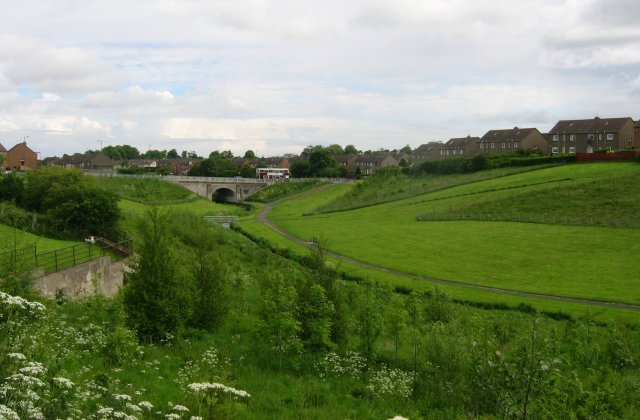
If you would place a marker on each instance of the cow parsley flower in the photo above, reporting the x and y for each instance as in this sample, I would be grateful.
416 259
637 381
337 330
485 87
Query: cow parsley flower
63 382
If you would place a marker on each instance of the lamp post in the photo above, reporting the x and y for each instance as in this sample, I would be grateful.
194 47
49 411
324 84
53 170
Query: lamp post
100 141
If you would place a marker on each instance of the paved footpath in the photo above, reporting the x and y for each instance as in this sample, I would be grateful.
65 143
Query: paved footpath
262 218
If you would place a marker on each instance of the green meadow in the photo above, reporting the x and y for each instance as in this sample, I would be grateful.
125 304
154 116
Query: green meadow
575 261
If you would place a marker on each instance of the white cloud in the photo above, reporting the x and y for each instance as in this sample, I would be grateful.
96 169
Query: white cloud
278 75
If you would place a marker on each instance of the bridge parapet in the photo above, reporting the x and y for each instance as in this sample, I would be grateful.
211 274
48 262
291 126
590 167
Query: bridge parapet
216 180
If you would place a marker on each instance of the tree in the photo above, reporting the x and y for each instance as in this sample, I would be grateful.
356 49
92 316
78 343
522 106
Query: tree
249 154
300 169
81 209
315 317
406 149
321 163
350 150
11 188
210 294
335 149
183 154
38 183
279 323
369 322
172 154
396 317
154 295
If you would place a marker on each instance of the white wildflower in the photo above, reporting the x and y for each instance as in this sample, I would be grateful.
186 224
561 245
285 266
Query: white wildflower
17 356
30 381
178 407
146 405
133 407
206 386
7 413
122 397
33 368
63 383
172 416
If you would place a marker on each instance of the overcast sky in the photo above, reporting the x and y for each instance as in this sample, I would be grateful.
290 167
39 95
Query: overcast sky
276 76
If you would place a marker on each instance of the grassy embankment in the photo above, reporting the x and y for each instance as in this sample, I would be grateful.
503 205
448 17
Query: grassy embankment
587 262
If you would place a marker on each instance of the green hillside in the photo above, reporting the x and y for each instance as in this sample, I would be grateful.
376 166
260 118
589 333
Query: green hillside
576 261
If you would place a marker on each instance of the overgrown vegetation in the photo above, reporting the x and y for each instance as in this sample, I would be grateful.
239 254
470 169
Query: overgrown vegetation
58 202
281 341
147 190
279 190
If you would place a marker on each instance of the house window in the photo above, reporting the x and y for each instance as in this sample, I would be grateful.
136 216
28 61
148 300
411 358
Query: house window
554 149
555 137
461 152
515 145
493 145
572 149
609 136
600 136
482 145
572 137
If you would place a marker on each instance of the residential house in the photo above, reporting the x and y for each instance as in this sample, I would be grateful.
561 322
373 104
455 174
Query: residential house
636 135
347 162
510 140
89 161
370 163
270 162
459 147
429 151
20 157
587 136
143 163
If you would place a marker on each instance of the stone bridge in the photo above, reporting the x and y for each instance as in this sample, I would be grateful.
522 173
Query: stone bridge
221 190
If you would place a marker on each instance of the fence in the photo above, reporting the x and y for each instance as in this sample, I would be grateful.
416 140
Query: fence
27 259
527 218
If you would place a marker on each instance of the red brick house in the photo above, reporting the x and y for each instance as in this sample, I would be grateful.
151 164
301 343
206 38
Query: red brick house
636 135
20 158
587 136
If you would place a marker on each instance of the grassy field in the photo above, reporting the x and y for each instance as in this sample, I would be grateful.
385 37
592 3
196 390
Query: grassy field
576 261
15 238
382 189
458 292
145 190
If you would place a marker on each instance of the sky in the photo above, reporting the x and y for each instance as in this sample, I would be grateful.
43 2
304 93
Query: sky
276 76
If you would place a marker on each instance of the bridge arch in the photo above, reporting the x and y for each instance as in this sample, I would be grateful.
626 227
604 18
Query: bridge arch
223 195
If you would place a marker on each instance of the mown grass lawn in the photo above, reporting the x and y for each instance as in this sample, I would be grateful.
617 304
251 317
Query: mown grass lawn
577 261
11 238
458 292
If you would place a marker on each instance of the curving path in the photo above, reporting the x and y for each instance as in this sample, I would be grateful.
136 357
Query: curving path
262 218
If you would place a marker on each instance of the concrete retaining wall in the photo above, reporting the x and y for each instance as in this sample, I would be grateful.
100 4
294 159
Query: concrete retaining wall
96 276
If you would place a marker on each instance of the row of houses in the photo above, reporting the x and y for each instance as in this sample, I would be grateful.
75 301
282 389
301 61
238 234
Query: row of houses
567 136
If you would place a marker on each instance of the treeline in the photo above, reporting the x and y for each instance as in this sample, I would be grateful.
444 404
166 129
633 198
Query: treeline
58 202
126 152
224 164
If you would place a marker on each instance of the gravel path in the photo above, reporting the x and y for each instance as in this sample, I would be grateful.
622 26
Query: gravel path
262 217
